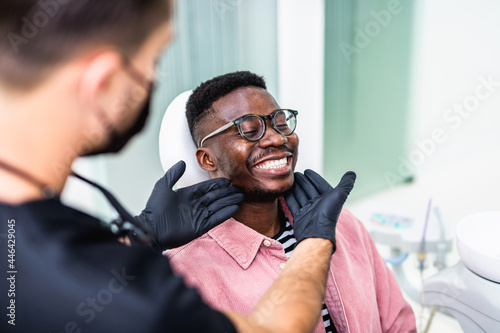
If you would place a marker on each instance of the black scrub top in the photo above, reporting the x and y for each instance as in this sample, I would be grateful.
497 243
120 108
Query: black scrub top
61 271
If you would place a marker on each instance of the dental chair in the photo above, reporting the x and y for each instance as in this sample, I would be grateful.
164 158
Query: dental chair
470 290
176 143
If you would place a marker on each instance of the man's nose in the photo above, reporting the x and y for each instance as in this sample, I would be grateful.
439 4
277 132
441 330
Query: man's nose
272 137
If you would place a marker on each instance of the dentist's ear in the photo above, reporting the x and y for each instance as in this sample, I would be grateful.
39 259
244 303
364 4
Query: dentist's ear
205 160
97 84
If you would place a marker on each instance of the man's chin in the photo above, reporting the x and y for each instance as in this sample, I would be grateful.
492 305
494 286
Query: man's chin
265 195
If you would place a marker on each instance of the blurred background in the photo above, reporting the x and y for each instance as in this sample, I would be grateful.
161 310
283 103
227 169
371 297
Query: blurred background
405 93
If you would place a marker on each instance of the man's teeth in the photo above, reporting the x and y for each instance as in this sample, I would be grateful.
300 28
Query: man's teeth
273 164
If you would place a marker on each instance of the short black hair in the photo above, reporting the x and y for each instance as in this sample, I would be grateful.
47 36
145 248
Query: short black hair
199 104
36 35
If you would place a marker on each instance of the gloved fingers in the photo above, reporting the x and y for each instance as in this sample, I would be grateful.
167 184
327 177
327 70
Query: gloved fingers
163 187
208 185
292 203
308 188
300 192
174 174
332 202
227 200
347 181
220 196
218 217
319 182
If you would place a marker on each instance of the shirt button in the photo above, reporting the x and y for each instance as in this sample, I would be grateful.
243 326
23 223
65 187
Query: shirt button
267 243
282 265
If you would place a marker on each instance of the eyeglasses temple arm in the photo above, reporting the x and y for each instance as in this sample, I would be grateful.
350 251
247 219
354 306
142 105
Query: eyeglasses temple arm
217 131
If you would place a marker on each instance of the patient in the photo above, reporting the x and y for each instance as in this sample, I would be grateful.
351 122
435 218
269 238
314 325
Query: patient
242 134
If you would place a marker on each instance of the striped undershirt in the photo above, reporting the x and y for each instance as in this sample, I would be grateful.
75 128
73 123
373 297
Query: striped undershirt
287 238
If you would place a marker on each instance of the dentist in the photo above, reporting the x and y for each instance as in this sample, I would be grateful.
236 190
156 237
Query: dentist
75 80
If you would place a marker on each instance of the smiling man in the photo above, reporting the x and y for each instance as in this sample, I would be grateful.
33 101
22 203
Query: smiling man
243 134
258 155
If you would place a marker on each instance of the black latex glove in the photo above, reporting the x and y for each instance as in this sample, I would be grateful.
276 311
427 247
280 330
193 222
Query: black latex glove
316 206
177 217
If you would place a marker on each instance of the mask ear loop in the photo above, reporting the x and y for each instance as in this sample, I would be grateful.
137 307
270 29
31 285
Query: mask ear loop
47 191
126 223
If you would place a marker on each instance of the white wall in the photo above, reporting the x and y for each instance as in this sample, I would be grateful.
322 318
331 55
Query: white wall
301 42
457 44
456 50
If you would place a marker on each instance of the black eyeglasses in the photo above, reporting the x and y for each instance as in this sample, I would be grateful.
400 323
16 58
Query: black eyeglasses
252 127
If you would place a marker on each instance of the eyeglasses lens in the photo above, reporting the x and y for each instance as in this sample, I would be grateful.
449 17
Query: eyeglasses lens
253 126
285 122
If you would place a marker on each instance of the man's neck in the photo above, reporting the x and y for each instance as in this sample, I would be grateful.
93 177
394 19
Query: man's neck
262 217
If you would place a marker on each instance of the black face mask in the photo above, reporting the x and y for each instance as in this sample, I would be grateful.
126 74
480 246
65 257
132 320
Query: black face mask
118 141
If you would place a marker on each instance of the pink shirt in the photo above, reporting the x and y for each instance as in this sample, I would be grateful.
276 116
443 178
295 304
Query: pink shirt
233 265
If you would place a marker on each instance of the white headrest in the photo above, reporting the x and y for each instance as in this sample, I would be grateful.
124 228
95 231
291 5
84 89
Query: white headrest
478 246
176 143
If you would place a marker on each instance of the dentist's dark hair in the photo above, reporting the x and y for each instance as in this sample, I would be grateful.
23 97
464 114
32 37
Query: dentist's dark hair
38 35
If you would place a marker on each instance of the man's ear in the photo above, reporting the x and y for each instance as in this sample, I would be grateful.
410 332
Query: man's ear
205 159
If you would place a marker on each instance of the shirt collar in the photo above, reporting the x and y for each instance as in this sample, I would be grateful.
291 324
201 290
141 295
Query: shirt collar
241 242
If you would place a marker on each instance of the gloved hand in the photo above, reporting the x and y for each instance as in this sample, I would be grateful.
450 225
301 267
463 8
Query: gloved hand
177 217
316 206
